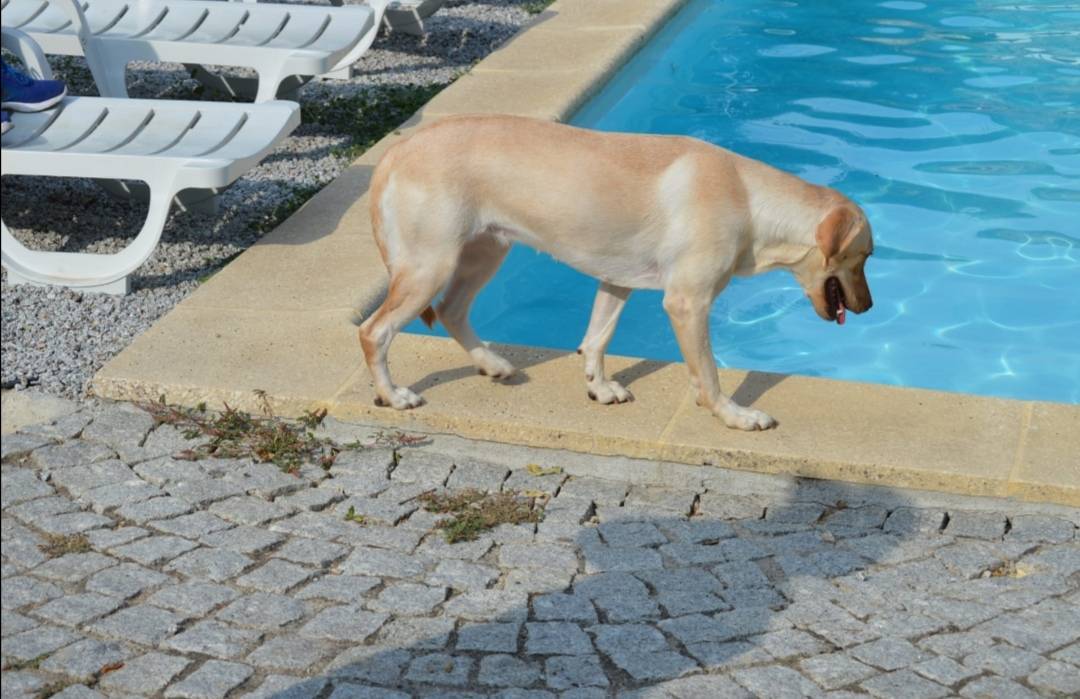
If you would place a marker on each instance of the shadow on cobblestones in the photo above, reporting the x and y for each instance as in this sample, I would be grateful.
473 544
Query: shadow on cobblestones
226 578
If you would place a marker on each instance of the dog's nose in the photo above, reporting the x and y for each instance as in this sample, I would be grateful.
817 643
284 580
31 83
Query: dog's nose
869 304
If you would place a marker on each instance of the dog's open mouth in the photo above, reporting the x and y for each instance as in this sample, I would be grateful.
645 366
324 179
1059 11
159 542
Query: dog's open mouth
834 299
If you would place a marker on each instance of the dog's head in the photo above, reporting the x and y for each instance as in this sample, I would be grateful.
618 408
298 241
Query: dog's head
832 274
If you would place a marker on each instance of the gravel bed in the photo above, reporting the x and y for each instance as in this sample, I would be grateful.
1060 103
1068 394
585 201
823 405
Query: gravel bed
56 339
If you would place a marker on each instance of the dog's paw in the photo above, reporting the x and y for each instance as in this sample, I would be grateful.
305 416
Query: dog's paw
490 364
608 392
747 419
401 399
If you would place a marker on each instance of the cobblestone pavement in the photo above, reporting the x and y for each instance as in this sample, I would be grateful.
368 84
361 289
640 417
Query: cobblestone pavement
225 577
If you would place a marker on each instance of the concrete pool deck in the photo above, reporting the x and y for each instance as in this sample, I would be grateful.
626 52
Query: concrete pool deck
278 320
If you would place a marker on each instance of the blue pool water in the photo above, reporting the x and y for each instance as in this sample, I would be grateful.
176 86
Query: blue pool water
955 124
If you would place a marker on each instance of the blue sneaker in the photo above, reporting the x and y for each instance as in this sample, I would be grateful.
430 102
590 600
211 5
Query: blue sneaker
21 93
5 122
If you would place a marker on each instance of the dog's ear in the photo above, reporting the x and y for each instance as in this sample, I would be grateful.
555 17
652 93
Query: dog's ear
835 231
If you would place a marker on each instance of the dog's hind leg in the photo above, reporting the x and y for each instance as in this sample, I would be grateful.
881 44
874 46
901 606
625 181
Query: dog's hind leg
609 303
409 293
477 264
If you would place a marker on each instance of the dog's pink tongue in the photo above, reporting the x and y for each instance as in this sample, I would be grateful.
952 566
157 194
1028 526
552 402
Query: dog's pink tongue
841 314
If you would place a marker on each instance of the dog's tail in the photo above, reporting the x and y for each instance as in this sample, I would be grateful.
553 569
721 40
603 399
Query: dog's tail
429 317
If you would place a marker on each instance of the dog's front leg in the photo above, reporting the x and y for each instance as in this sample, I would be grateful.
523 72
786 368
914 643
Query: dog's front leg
689 314
609 303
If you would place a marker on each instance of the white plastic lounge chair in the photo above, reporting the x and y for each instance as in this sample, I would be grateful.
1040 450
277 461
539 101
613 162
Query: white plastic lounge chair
171 145
277 41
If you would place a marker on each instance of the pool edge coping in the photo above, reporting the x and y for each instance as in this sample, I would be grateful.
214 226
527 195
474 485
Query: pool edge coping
290 330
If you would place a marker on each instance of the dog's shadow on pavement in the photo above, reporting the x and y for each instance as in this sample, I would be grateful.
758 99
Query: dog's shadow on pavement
648 592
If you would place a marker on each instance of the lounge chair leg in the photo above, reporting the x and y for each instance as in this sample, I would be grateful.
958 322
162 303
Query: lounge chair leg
88 271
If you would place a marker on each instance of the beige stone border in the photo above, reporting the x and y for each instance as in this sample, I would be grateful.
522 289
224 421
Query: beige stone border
278 320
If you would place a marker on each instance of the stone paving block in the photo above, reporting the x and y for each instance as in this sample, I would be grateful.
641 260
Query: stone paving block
154 509
789 643
888 653
147 674
349 484
339 588
140 624
944 671
204 492
604 559
689 687
16 445
191 526
1069 654
84 660
623 534
533 580
290 654
215 639
124 581
12 623
609 585
32 644
376 510
835 670
213 680
154 550
1056 676
489 638
382 563
740 575
694 554
426 468
395 538
462 575
421 633
969 559
265 480
310 499
63 428
73 523
563 607
1040 528
977 525
249 510
567 672
556 638
408 599
477 475
78 691
20 486
74 567
276 576
216 565
857 518
775 680
246 540
507 671
521 481
1004 660
547 556
78 609
904 684
22 554
374 461
118 425
440 669
42 509
102 539
601 492
80 479
263 611
113 495
312 552
167 470
193 599
907 520
725 656
20 685
286 687
654 665
697 531
625 608
956 645
315 525
718 504
983 687
378 664
344 623
164 440
69 454
663 499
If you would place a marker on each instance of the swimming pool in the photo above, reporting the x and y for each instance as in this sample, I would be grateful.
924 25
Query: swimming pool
956 125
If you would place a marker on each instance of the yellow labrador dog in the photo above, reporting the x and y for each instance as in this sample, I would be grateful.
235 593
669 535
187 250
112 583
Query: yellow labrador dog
634 211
